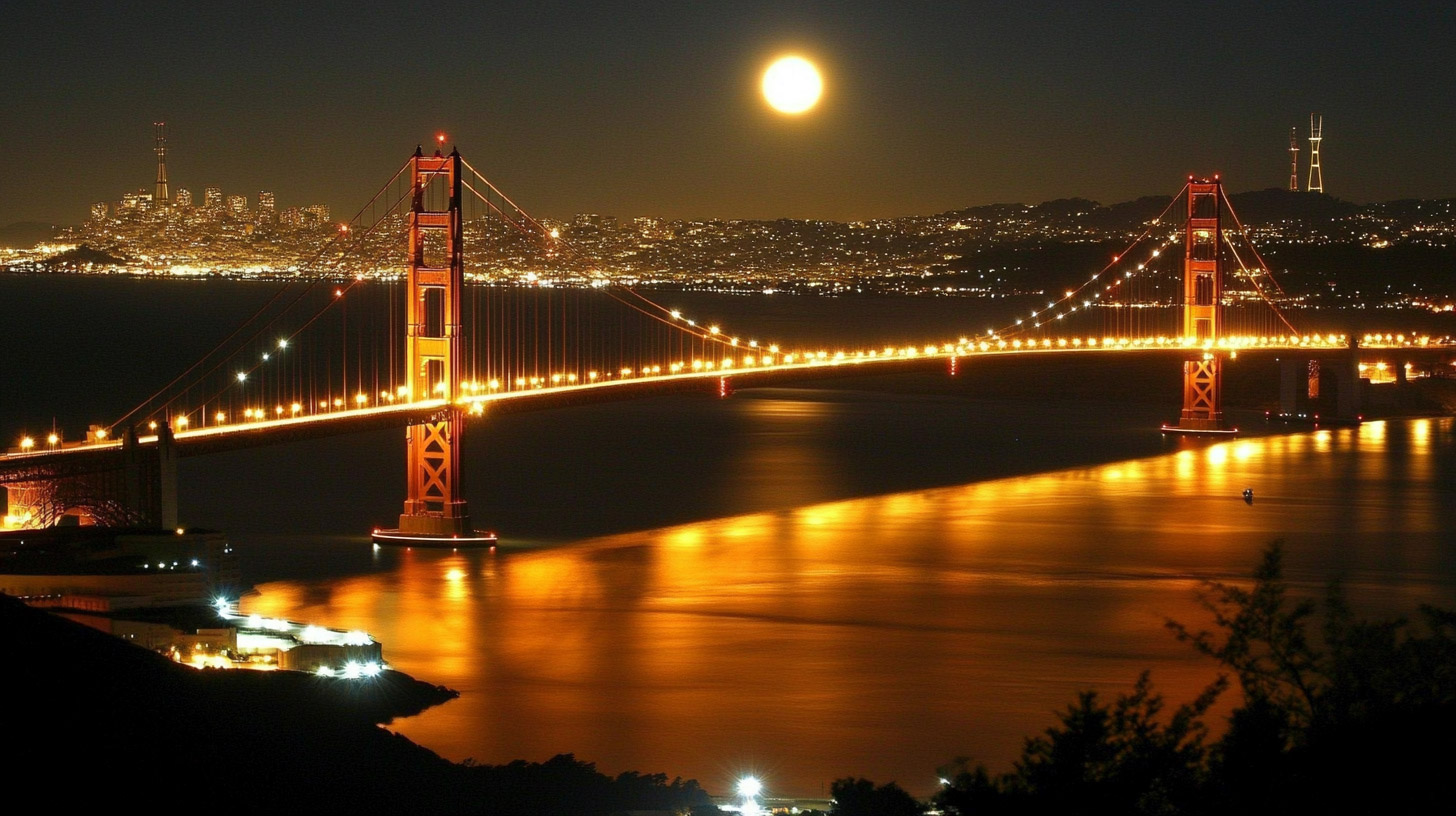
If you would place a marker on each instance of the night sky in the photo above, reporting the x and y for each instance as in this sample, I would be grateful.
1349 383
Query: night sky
653 108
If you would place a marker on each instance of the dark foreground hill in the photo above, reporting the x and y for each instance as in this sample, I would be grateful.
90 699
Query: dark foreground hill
92 721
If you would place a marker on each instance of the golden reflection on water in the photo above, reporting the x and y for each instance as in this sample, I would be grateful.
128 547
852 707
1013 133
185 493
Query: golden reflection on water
881 636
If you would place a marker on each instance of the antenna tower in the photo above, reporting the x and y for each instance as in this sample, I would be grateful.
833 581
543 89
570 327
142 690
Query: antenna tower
1316 130
1293 161
161 196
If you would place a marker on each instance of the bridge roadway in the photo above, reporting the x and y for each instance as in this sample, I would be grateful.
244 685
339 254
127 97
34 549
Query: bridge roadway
78 457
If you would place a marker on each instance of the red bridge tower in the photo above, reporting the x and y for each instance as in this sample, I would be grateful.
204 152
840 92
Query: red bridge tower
1202 296
434 512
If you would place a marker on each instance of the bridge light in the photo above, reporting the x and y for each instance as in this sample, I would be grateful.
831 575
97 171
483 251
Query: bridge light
676 315
265 355
713 330
221 417
520 382
152 426
181 421
402 391
362 398
283 343
493 384
338 402
279 410
295 407
242 375
26 443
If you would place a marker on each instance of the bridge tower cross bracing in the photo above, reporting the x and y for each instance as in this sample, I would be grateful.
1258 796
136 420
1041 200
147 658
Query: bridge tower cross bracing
434 512
1202 296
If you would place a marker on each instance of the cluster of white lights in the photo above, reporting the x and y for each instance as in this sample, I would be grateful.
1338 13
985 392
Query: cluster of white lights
351 670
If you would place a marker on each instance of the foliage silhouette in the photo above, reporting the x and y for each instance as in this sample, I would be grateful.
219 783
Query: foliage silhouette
859 797
1354 711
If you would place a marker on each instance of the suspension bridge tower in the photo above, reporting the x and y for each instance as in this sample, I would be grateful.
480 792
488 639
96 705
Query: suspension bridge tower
434 512
1202 296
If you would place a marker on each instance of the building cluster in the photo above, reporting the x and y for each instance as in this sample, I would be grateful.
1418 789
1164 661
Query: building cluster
968 252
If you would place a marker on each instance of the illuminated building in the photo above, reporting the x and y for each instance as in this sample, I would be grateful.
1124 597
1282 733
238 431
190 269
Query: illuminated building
266 201
140 200
318 212
98 210
212 198
183 198
606 223
237 205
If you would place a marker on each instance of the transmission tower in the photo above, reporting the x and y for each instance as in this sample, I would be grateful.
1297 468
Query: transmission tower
1316 129
161 196
1293 161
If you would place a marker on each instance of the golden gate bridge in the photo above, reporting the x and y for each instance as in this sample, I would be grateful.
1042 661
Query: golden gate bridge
305 364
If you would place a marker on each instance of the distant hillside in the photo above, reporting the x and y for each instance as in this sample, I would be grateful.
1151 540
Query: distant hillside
26 234
1274 205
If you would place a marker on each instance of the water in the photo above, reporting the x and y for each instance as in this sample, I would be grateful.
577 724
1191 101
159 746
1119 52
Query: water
866 577
884 635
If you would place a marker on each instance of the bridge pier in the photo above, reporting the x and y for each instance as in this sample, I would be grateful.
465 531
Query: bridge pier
131 486
1305 384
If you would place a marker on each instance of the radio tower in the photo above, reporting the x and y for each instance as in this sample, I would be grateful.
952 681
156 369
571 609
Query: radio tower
1293 161
162 196
1316 128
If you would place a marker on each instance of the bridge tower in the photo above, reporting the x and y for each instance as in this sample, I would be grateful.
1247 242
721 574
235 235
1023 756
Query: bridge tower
1202 295
434 512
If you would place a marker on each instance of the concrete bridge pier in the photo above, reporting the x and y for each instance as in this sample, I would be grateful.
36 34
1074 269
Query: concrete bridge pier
149 478
1305 384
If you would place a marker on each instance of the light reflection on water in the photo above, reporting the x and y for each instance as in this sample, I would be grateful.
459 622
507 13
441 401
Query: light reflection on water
882 636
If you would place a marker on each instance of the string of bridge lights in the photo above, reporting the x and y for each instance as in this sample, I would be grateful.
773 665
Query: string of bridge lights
1072 295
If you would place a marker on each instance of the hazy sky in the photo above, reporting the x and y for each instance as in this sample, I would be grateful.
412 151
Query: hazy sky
653 108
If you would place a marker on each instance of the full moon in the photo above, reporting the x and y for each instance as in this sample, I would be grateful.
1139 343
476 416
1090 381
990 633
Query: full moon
792 85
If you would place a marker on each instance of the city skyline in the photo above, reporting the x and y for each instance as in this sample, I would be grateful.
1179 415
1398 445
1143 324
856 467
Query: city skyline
654 109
